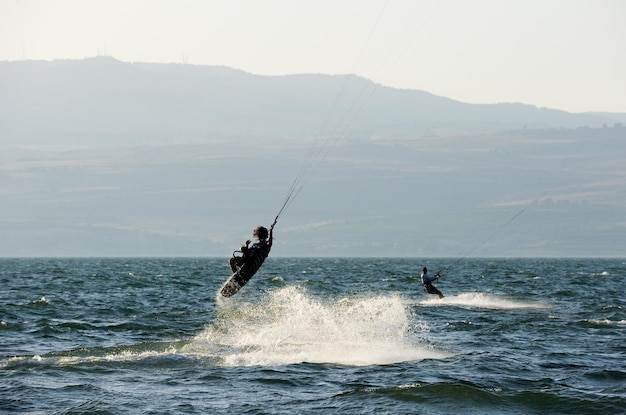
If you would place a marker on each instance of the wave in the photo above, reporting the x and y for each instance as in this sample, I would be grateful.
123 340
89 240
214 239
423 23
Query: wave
604 322
480 300
462 396
152 352
289 326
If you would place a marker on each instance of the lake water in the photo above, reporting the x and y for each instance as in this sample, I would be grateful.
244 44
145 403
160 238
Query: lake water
312 335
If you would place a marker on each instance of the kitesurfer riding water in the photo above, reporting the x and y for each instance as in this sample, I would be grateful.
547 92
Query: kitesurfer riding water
427 280
262 247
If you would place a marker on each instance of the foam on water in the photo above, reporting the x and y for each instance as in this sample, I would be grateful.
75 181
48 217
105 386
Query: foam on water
605 322
480 300
290 326
122 354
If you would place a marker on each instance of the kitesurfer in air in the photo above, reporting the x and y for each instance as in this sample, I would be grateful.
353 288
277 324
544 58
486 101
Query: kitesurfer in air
261 247
427 280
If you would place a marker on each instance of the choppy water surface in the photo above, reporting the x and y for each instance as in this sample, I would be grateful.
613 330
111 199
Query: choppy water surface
349 336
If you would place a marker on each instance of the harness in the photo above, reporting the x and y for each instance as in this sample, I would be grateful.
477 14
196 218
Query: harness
428 285
258 250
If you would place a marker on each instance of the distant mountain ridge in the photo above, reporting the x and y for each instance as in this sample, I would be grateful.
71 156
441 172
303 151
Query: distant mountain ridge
96 99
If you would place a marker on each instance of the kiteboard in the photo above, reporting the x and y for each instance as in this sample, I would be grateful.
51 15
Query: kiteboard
242 276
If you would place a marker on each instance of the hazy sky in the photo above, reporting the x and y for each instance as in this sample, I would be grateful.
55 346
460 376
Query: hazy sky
564 54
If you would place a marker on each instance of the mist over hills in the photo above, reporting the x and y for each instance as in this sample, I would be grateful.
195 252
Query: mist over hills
106 158
97 99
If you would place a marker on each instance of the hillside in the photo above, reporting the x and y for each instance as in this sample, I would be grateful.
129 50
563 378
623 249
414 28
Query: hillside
105 158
